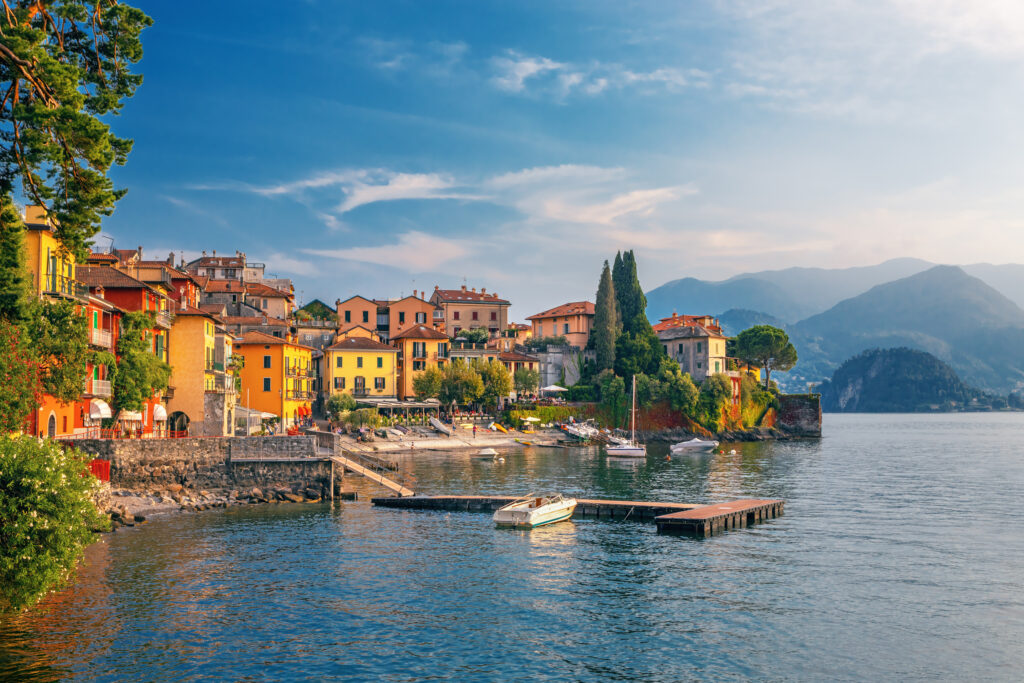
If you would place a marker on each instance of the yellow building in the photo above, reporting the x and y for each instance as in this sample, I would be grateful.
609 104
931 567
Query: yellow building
277 377
362 367
51 266
420 347
192 353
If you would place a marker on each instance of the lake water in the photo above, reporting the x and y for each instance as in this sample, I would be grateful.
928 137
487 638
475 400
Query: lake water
900 556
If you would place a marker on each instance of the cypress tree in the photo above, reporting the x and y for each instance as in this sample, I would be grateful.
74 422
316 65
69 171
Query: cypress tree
606 321
14 281
619 280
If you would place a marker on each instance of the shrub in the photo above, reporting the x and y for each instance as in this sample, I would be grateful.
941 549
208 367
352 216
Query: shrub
337 404
47 517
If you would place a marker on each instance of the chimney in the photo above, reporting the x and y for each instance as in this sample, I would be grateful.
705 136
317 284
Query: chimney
170 258
214 252
414 294
337 302
483 290
463 288
204 252
474 290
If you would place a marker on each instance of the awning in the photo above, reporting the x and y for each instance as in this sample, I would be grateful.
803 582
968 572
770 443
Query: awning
129 416
159 413
99 410
554 387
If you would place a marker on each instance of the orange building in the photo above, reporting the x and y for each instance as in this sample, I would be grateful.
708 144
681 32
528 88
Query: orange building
277 376
572 320
419 347
356 311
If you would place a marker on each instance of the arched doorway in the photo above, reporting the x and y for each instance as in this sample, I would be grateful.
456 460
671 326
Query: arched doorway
51 426
178 421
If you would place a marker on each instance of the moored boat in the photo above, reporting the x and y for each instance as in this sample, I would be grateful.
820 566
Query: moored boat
535 510
694 444
629 448
487 452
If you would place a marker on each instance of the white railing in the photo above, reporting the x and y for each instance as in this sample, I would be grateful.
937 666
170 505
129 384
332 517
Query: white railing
99 387
101 337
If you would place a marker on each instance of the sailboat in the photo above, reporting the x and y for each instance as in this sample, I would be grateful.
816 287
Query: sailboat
630 448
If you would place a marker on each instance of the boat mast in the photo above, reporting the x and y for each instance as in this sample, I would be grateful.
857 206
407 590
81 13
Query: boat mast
632 414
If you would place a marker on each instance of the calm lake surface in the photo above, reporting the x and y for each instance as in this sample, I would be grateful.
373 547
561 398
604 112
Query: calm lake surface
900 556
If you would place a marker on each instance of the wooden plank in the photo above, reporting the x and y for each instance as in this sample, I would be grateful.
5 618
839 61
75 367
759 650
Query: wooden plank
373 476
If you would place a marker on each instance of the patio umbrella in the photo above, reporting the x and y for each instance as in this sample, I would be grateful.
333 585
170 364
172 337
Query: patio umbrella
554 387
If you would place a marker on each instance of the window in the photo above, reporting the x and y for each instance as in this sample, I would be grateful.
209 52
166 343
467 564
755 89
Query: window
380 361
421 318
457 330
717 366
339 382
698 347
565 328
366 316
476 316
266 361
699 366
348 316
378 383
337 361
494 316
540 329
419 349
401 317
266 384
680 349
234 298
455 315
419 365
95 318
359 361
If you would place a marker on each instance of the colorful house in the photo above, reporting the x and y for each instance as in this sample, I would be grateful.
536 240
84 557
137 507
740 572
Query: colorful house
198 371
573 321
420 347
277 376
467 309
362 367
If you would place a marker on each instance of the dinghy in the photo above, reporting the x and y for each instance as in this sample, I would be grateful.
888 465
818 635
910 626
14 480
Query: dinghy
535 510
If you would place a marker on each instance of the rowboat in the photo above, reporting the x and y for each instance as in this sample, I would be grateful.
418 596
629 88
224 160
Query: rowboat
535 510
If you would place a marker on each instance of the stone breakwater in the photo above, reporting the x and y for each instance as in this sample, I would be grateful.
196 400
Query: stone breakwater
155 476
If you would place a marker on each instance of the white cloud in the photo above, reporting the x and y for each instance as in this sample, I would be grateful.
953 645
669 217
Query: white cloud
515 69
415 252
386 186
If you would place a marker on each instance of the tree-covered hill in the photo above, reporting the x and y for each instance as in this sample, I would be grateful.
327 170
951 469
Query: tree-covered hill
900 380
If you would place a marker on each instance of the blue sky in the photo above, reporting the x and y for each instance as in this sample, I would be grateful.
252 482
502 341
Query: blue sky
381 147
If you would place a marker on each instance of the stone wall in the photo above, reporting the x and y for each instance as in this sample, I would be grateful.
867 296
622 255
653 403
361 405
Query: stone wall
800 414
206 463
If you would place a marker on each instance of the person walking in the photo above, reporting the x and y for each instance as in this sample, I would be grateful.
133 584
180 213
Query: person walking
474 431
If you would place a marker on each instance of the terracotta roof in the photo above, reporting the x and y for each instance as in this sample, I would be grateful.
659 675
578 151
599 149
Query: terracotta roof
688 332
108 278
360 344
467 295
255 337
222 286
369 301
191 310
517 357
260 289
201 280
573 308
688 321
100 256
217 262
518 326
214 309
420 332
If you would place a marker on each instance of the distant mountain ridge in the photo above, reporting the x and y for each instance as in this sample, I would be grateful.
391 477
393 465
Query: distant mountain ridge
796 293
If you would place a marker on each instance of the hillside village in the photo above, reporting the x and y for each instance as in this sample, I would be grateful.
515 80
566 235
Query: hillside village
244 358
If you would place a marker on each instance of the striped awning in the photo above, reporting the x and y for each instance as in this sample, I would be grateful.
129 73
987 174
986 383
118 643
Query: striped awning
99 410
159 413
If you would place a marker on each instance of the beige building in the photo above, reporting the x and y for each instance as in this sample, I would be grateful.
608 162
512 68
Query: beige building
698 350
573 321
468 309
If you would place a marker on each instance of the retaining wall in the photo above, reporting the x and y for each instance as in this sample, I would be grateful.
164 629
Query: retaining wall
800 414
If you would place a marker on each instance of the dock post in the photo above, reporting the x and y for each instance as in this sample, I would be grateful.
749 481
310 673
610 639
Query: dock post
330 495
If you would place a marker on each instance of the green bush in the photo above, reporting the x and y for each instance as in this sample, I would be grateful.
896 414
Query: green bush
47 517
581 393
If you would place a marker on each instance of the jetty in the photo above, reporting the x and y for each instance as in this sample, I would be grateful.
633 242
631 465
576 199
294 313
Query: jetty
693 519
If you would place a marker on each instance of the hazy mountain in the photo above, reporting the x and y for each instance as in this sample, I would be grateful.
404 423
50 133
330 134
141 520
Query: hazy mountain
944 311
899 381
795 293
735 320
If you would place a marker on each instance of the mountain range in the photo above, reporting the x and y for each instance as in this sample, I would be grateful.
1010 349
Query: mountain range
793 294
958 314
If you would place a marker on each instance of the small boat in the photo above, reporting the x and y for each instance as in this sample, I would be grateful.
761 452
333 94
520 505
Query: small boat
440 426
534 510
629 448
487 453
694 444
499 428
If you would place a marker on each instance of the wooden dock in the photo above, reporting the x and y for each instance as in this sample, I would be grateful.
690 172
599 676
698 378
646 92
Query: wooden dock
709 520
717 518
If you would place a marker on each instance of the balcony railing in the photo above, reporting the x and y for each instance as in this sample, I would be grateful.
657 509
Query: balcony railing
438 315
296 371
221 384
164 319
214 366
100 337
61 285
98 387
361 393
298 395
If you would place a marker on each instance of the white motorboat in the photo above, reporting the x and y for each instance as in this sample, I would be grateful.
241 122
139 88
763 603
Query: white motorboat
488 453
535 510
694 444
629 448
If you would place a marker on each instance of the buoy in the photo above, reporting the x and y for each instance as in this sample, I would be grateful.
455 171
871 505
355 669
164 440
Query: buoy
668 457
501 459
732 452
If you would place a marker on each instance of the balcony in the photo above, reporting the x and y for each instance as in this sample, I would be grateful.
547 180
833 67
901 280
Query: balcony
214 366
438 315
164 319
98 387
60 285
101 338
221 384
296 371
360 393
298 395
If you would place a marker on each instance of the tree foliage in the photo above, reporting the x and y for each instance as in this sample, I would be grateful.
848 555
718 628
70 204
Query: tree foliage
139 372
15 287
497 382
715 392
47 517
632 303
605 328
542 343
478 335
19 378
58 334
526 380
336 404
461 384
766 347
65 65
427 384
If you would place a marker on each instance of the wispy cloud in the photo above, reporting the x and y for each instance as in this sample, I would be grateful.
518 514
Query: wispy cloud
513 70
415 252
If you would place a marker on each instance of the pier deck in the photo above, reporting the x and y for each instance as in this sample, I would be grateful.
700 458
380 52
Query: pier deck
709 520
607 509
